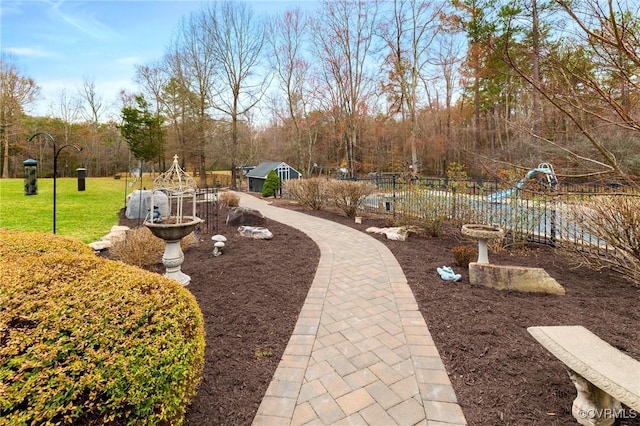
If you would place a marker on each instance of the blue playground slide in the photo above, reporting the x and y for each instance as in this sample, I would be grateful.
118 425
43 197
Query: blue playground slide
545 169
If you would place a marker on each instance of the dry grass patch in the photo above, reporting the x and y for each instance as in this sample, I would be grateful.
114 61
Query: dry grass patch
142 249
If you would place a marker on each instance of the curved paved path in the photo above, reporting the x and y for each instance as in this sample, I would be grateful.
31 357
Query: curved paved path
360 353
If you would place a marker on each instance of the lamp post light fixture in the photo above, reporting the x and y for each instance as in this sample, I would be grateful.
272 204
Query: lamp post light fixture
56 152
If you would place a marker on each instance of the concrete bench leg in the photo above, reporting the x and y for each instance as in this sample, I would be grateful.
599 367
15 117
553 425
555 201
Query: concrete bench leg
592 406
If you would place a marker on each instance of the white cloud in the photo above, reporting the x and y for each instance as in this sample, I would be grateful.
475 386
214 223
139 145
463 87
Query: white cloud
28 51
83 20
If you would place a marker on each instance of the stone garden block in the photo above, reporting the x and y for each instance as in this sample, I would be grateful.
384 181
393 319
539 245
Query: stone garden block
535 280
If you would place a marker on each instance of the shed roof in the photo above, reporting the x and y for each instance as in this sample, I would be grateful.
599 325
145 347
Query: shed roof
262 170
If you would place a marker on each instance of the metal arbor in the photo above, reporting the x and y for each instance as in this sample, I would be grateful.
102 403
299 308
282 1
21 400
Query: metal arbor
179 187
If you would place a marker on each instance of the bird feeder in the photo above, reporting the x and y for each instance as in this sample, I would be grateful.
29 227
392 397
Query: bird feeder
30 176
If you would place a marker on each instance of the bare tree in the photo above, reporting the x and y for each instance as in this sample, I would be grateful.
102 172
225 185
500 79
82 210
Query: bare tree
409 33
194 68
447 62
179 105
287 35
592 80
70 112
93 105
237 40
16 92
343 38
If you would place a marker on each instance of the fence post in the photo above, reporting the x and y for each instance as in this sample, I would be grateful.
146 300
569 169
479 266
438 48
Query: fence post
552 223
393 186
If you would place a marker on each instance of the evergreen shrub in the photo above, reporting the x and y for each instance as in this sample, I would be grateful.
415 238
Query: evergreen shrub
271 184
86 340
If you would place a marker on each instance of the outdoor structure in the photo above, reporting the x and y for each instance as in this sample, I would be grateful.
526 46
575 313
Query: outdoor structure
258 175
180 189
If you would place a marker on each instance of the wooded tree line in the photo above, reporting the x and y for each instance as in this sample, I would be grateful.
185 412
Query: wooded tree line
368 86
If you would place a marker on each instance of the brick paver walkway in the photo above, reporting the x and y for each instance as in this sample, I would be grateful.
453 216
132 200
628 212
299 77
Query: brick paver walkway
360 353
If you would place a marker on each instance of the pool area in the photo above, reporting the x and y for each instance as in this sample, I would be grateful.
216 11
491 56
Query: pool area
540 219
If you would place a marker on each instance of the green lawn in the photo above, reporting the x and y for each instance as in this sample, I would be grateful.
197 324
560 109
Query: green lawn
87 215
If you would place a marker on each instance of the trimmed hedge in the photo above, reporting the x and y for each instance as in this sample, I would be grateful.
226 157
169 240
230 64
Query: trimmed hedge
86 340
18 243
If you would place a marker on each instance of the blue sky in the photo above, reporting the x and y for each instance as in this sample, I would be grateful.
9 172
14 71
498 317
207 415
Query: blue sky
61 43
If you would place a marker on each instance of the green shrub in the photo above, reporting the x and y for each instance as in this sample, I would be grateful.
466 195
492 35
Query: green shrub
271 184
348 195
312 192
87 340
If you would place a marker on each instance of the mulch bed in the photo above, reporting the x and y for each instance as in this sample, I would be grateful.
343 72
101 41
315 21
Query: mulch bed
251 295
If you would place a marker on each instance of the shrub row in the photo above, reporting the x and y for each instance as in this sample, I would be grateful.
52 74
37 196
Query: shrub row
317 192
86 340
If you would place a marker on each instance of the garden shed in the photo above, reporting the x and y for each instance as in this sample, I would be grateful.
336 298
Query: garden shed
258 175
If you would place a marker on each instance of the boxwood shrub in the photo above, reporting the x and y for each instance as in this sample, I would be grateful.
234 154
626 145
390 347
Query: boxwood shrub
18 243
86 340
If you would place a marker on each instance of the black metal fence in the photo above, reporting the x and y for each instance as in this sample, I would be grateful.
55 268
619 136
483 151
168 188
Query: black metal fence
207 208
544 216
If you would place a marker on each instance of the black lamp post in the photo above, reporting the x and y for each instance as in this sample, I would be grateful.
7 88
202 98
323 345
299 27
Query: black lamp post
56 152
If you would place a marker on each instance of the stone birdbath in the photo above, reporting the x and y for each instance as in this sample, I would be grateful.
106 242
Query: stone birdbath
179 188
483 233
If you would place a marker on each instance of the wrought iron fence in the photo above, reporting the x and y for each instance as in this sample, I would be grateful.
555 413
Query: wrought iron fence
526 216
207 210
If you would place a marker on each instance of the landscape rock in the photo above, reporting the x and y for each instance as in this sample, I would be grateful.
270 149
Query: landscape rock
398 233
245 216
117 234
100 245
255 232
519 278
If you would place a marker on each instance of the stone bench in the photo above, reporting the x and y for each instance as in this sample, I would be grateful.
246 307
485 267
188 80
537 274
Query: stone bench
603 376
